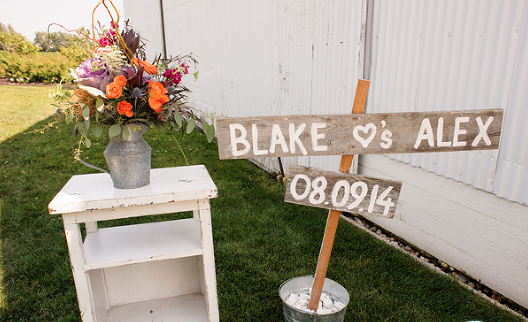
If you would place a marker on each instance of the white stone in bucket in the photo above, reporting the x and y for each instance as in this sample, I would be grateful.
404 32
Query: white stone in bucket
326 305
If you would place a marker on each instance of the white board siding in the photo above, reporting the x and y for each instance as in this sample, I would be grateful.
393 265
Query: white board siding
511 180
472 230
458 55
259 58
451 55
426 56
147 23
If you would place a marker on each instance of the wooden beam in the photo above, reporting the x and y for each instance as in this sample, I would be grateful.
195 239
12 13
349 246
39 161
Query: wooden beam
333 216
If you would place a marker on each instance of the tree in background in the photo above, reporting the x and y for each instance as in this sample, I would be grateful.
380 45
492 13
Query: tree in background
77 47
4 28
51 41
10 40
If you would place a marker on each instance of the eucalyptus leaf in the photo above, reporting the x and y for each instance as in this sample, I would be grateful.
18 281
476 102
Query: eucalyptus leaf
69 117
82 130
126 133
87 123
67 93
86 112
97 130
178 118
210 132
88 143
99 105
190 126
114 130
174 125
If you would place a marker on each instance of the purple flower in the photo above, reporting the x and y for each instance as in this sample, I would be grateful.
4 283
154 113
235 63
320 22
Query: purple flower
93 72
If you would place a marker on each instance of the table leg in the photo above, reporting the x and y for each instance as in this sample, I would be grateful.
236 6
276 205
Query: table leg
208 261
82 284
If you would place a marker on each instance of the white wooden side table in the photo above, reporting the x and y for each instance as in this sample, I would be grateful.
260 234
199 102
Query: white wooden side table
162 271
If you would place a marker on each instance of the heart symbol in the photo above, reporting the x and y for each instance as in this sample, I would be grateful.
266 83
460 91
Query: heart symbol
365 129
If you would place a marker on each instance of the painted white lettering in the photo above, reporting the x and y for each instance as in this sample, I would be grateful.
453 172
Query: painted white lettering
440 134
254 134
458 131
426 132
386 138
365 129
294 138
316 136
277 138
293 186
483 131
238 140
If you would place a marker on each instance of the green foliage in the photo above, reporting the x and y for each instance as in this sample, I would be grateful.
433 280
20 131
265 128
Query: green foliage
21 62
50 42
77 47
76 53
37 67
15 42
8 29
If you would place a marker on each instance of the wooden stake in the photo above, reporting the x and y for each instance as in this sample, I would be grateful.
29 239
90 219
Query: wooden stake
333 215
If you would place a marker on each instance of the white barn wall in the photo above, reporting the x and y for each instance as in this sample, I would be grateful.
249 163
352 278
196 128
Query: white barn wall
457 55
470 229
304 57
262 58
148 23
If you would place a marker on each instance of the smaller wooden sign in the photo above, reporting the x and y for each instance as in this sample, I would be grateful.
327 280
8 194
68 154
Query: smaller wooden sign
350 193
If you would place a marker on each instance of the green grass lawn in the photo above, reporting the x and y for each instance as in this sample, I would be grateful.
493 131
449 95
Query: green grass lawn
259 240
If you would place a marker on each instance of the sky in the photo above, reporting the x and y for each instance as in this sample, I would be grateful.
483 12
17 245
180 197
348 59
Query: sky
30 16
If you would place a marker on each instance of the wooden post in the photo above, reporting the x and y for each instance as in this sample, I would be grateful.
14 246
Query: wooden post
333 215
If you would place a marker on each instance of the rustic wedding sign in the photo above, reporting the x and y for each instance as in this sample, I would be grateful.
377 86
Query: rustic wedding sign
346 135
286 136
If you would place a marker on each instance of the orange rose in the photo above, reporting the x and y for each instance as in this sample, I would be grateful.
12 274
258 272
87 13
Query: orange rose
125 108
149 68
113 90
120 80
157 95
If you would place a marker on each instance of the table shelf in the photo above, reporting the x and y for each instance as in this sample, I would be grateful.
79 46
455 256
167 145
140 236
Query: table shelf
124 245
188 308
158 271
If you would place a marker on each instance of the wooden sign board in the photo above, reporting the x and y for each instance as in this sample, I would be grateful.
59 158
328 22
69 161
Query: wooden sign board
340 191
284 136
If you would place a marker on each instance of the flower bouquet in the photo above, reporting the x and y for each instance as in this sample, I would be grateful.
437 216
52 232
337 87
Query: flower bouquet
117 91
117 87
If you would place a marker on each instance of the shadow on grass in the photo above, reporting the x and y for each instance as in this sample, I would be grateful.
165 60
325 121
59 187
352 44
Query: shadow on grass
259 241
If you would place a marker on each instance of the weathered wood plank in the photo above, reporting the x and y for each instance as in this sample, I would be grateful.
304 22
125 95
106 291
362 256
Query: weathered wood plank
283 136
350 193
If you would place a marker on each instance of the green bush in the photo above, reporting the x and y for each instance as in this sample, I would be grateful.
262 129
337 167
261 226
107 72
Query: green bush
36 67
15 42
